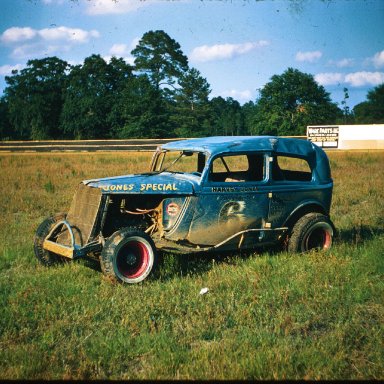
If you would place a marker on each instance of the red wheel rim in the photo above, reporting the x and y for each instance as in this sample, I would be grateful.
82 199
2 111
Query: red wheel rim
318 238
133 259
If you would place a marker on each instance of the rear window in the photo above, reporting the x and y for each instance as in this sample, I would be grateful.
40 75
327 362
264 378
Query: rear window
291 169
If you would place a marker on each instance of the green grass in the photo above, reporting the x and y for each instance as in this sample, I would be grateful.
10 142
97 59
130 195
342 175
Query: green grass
266 315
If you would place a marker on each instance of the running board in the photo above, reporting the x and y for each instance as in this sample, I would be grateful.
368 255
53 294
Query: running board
242 233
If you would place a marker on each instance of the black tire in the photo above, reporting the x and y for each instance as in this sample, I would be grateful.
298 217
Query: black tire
128 256
45 257
312 231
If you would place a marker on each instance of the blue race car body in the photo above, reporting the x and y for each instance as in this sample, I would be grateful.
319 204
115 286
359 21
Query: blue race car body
217 193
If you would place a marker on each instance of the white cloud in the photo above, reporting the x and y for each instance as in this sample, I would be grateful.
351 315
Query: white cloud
354 79
124 51
26 50
309 57
206 53
343 63
6 70
16 34
135 42
119 50
358 79
102 7
38 49
29 42
329 78
68 34
244 95
378 59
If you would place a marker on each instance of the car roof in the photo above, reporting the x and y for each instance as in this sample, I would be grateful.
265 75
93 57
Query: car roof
225 144
215 145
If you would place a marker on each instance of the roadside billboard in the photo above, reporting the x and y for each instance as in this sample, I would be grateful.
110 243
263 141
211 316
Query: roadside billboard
354 136
324 136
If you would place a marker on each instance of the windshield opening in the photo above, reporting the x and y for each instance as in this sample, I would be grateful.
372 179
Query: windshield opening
180 162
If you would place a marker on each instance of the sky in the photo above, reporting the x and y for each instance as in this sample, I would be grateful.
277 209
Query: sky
237 45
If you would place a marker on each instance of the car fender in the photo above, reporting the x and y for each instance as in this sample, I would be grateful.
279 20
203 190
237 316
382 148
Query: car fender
304 208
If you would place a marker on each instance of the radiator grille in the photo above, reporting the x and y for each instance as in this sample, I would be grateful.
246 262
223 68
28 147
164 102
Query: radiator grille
82 215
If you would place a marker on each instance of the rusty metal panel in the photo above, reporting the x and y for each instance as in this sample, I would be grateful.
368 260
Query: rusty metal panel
58 249
82 215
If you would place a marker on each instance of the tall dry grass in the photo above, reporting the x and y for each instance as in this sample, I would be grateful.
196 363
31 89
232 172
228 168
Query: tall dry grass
265 316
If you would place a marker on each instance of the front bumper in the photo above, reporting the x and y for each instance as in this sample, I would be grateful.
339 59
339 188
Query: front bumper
78 234
72 250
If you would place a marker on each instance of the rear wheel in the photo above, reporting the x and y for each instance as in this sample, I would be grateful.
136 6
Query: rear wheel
312 231
128 256
45 257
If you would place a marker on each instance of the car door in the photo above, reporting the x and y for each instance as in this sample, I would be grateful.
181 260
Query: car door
293 186
233 198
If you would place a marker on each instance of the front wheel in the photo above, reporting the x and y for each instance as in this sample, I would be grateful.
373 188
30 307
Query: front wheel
45 257
128 256
312 231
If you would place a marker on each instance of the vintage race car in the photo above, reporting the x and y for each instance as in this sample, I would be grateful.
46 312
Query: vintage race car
205 194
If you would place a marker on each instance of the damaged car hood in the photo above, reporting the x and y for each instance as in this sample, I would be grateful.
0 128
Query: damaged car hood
148 183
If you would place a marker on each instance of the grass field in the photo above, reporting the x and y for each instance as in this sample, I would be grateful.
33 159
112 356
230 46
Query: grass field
266 315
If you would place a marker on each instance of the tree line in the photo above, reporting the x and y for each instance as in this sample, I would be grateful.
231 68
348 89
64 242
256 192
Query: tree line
161 96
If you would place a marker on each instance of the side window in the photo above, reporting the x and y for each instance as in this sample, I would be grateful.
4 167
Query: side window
237 168
291 169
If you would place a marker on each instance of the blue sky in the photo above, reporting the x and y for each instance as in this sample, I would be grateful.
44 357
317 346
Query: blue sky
237 45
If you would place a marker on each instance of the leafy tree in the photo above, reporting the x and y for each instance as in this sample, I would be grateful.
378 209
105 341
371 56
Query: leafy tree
290 102
119 76
161 58
194 89
119 72
372 110
91 93
142 111
248 112
35 97
6 131
190 112
227 115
